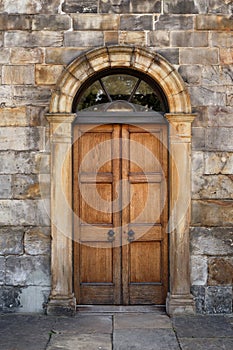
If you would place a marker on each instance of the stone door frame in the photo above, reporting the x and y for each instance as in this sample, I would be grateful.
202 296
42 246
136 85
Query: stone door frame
60 117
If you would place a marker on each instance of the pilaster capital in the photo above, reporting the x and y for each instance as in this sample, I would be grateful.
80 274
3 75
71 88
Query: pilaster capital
60 126
59 118
180 127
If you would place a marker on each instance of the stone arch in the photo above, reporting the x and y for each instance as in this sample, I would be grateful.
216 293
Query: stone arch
60 117
141 59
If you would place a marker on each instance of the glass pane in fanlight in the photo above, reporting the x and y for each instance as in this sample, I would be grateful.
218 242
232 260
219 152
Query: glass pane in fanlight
119 86
93 95
146 96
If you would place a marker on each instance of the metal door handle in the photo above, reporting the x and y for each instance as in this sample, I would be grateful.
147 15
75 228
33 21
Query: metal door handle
111 234
131 237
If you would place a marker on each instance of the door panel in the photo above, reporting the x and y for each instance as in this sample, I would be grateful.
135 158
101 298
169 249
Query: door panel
120 202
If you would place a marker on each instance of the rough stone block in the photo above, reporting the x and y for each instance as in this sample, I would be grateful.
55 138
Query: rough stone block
5 95
96 22
202 96
37 241
62 56
114 6
19 162
198 163
203 56
199 270
159 38
14 22
218 163
83 6
18 75
137 22
184 6
132 38
218 300
146 6
222 39
25 186
9 298
220 271
2 271
198 140
174 22
87 38
36 116
26 55
1 39
229 101
211 241
24 212
189 39
5 186
220 6
214 22
19 138
199 297
11 240
201 118
39 95
28 270
110 38
33 298
34 39
5 56
190 74
172 55
217 75
219 139
212 187
212 213
29 6
48 74
15 116
226 56
51 22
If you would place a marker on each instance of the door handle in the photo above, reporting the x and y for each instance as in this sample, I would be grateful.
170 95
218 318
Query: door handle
131 237
111 237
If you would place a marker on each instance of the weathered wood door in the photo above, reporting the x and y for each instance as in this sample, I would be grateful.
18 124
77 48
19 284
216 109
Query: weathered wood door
120 214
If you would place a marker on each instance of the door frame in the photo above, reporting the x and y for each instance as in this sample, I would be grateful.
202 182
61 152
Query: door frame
60 118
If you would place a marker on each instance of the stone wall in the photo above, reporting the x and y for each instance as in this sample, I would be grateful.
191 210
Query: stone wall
37 40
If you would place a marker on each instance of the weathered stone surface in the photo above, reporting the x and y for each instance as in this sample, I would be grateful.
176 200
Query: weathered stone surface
199 270
159 38
198 141
138 22
218 163
5 186
15 116
33 298
211 241
87 38
222 39
96 22
84 324
198 293
203 56
81 342
216 75
29 6
28 270
189 39
212 187
24 212
219 139
218 300
226 56
14 22
132 38
184 6
48 74
5 56
19 138
201 118
37 241
220 6
9 299
220 271
1 39
141 321
114 6
214 22
172 55
51 22
62 55
190 74
174 22
36 116
83 6
5 95
110 38
26 55
11 240
212 212
34 39
19 162
39 95
18 75
2 271
25 186
203 96
147 6
206 343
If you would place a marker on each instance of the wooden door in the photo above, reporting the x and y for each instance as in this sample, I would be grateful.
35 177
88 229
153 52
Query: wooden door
120 205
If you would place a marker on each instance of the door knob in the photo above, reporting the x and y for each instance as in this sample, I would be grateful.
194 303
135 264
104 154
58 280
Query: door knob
111 234
131 237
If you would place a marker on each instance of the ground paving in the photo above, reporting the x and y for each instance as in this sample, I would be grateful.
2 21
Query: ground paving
115 331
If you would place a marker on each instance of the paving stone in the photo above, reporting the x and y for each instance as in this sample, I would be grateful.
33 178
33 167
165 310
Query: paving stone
82 324
150 339
11 240
80 342
202 327
210 344
141 321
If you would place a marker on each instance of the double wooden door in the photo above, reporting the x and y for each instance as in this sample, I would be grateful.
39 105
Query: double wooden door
120 214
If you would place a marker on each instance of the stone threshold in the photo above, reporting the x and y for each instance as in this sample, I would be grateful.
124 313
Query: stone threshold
110 309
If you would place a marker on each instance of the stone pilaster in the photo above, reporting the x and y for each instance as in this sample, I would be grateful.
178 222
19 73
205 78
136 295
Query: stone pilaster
179 299
61 299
